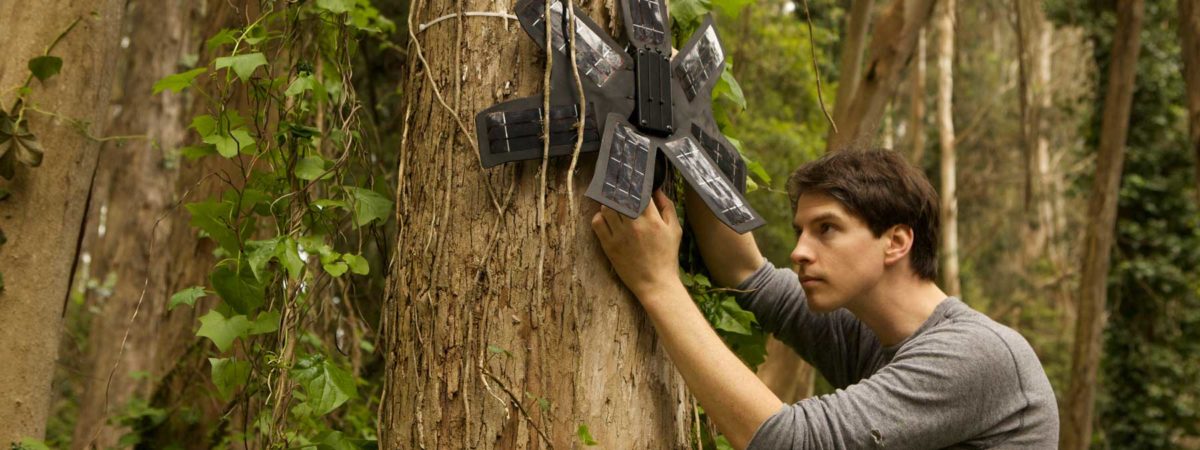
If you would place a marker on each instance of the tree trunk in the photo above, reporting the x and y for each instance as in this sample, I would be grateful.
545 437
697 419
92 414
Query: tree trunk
1098 240
43 217
1033 44
135 185
891 50
850 64
483 348
1189 35
943 23
785 373
916 112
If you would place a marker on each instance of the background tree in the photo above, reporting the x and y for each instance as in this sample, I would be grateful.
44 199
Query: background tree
1102 207
43 215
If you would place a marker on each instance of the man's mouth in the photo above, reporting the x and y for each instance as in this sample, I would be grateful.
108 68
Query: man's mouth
808 280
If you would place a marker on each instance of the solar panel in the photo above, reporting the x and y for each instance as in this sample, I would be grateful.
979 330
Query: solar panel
512 131
724 155
646 25
716 191
624 169
597 59
700 62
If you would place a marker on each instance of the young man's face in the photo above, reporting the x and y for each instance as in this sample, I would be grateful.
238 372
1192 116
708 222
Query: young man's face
837 257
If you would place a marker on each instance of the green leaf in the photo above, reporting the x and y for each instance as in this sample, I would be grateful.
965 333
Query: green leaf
204 124
289 256
336 6
211 217
222 331
44 67
728 88
732 318
326 386
311 167
229 144
758 171
305 83
242 65
585 436
228 374
689 11
357 263
267 322
30 444
240 290
335 269
260 254
369 205
194 152
178 82
187 297
730 8
224 37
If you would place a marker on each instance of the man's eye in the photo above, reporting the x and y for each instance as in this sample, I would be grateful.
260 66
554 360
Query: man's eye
826 228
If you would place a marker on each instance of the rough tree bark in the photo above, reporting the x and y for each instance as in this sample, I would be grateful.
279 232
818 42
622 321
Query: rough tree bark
891 50
1189 35
943 24
43 217
1098 240
483 349
916 111
135 185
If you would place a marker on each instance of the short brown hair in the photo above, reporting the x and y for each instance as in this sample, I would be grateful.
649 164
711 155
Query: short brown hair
883 189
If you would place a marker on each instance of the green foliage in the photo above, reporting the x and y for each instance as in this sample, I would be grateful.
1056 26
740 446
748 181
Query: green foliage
44 67
179 81
242 65
187 296
326 386
1149 398
585 435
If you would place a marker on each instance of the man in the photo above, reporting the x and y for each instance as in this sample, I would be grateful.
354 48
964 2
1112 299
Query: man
913 367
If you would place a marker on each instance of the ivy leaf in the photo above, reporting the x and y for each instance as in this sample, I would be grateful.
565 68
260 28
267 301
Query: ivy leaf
758 171
267 322
228 374
186 297
335 269
732 318
44 67
178 82
326 385
688 11
311 167
222 331
194 152
336 6
728 88
31 444
211 217
240 290
223 37
357 263
289 256
369 205
585 436
229 144
730 8
260 254
242 65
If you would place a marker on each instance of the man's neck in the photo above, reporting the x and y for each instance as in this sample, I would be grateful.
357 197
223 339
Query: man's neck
897 306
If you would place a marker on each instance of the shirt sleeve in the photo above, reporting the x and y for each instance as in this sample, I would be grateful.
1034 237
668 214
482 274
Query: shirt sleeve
951 386
836 343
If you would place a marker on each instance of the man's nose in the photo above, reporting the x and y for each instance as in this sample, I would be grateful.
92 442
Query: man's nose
802 255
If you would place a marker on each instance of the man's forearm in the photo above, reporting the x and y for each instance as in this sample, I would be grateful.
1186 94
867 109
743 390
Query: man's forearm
732 396
729 256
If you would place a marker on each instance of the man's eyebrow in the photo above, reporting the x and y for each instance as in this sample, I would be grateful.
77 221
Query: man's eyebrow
825 216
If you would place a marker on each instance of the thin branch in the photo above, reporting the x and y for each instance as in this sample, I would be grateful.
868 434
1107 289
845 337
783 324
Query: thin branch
467 14
812 45
582 115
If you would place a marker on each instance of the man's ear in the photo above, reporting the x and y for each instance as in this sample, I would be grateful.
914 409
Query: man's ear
899 241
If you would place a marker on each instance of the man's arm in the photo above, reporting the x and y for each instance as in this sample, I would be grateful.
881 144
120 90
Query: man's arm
645 252
729 256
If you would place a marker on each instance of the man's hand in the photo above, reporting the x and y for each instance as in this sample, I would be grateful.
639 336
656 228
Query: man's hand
644 251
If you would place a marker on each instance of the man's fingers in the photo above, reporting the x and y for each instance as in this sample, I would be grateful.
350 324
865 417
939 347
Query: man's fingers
600 226
665 207
612 217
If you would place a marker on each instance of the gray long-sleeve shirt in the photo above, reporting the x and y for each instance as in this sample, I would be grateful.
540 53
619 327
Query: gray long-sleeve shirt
960 381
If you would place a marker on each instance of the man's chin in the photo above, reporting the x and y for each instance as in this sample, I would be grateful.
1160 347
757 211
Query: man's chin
820 305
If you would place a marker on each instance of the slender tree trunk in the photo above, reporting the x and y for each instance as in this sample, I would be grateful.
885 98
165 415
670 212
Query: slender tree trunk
916 112
1189 35
943 23
1033 42
1098 240
785 373
135 183
850 64
43 216
891 49
484 348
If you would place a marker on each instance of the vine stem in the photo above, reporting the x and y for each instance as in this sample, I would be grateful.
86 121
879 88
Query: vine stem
813 49
541 216
582 115
467 14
